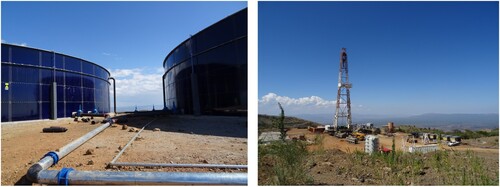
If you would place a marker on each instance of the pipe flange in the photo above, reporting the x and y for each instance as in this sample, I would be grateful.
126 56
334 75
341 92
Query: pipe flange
54 156
62 176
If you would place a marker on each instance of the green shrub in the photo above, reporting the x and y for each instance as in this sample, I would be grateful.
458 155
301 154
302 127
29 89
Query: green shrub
290 159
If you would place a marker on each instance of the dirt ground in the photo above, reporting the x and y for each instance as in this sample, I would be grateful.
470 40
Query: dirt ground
486 145
182 139
331 161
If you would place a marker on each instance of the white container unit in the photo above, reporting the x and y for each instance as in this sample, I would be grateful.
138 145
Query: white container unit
371 144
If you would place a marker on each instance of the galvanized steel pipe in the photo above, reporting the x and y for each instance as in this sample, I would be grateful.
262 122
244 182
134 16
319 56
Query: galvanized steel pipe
114 94
130 142
76 143
50 177
178 165
52 157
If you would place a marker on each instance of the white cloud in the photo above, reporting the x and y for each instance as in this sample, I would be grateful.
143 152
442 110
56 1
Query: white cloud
139 86
268 104
108 54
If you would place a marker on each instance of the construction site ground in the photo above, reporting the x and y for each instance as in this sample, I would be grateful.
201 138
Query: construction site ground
486 145
333 162
181 139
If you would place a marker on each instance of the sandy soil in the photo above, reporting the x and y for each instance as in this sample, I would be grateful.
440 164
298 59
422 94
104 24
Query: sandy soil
182 139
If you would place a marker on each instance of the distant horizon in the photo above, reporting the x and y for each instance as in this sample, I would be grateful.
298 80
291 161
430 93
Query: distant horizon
430 120
277 114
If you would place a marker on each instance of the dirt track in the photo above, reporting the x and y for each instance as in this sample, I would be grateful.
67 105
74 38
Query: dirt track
182 139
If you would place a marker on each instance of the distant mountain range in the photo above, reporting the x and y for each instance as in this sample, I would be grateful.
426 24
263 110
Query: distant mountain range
433 120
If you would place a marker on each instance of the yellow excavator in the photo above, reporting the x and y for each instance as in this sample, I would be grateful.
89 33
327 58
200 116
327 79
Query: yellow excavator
360 136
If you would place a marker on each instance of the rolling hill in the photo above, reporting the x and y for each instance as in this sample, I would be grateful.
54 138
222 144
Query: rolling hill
433 120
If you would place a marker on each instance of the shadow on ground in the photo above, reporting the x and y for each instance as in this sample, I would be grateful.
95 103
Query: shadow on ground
228 126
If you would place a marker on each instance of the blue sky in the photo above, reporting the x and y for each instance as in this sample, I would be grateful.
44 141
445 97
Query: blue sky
405 58
130 39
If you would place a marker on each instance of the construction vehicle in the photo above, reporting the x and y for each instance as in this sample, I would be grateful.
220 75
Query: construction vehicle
358 135
340 134
411 139
451 144
453 140
352 139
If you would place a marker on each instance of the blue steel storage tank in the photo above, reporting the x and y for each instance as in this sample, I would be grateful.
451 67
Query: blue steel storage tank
28 75
207 73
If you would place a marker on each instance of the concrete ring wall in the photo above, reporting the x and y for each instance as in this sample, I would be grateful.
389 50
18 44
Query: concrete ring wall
27 76
207 73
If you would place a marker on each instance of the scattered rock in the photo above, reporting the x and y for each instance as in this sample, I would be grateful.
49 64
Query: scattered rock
156 129
421 172
93 122
90 162
89 152
124 127
313 165
79 165
139 138
191 132
120 147
319 172
114 125
204 161
327 164
132 129
387 169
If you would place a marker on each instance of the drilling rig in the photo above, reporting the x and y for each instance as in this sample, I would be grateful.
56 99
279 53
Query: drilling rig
342 121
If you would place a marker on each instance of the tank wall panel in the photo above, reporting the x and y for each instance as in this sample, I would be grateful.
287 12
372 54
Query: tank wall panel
29 74
219 63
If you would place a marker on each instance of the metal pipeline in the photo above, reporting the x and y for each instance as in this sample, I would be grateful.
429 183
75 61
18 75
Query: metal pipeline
130 142
163 85
75 114
72 177
114 94
178 165
53 157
